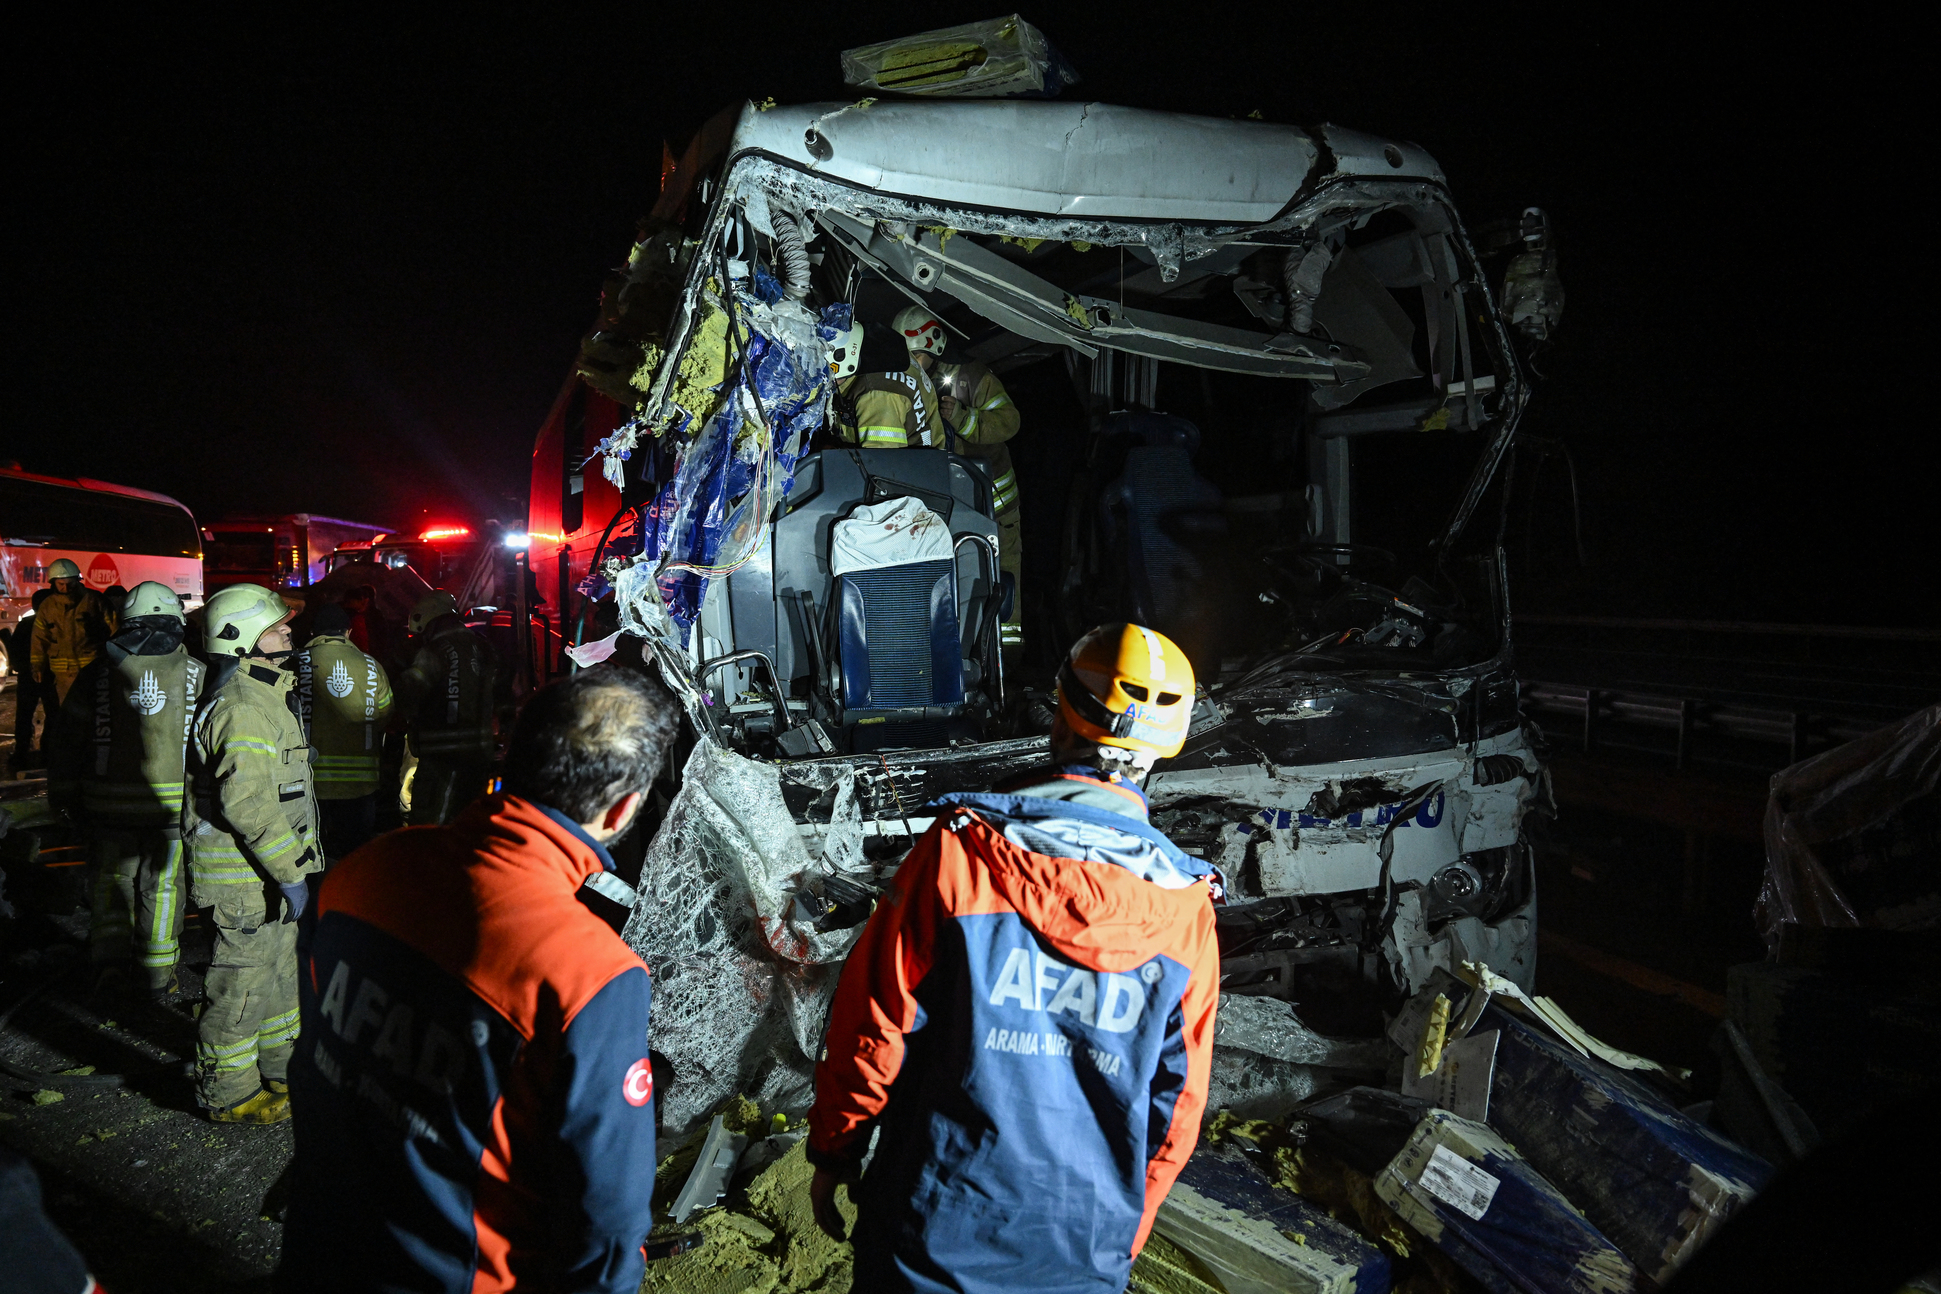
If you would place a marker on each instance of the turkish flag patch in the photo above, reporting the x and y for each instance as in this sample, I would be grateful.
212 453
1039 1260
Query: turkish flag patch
638 1086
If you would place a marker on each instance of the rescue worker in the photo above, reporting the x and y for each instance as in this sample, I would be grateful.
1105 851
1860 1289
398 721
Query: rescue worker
30 693
254 843
881 406
447 697
344 697
978 413
1028 1016
473 1083
69 629
117 763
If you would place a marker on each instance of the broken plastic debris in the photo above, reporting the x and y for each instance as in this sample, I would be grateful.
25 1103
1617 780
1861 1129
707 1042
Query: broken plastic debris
1435 1030
709 1180
1000 58
48 1096
1550 1014
590 654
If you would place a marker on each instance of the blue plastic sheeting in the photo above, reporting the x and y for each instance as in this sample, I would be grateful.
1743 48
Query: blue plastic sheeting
716 509
1474 1197
1657 1182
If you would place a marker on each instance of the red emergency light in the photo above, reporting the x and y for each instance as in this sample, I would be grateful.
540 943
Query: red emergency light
445 532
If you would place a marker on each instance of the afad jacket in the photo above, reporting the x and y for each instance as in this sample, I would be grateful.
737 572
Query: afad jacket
473 1093
1028 1017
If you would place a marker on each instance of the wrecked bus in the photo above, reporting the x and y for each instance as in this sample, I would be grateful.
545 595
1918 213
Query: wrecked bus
1265 390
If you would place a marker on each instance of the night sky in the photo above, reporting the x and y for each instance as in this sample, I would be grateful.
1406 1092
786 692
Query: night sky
344 269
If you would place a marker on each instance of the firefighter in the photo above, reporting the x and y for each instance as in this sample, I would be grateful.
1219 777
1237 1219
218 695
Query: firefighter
344 697
1028 1016
447 697
980 417
29 691
116 764
254 843
69 629
884 406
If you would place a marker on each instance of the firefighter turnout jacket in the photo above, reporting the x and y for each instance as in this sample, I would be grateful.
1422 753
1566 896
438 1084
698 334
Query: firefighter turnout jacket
1029 1017
253 796
473 1089
986 418
68 632
447 695
893 410
344 697
119 752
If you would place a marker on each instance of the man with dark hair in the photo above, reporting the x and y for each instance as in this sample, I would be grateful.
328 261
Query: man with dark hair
473 1087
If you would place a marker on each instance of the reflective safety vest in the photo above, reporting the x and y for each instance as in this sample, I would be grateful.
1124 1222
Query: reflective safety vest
894 410
986 418
126 727
448 693
253 798
343 698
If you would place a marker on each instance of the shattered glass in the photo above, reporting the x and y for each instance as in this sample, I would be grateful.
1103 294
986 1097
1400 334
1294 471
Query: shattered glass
741 989
1269 1027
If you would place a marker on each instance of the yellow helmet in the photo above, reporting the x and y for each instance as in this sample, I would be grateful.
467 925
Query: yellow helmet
151 599
921 329
63 569
1126 686
235 617
433 606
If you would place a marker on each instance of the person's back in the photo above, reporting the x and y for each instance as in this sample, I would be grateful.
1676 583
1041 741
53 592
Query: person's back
1029 1018
473 1087
448 697
344 696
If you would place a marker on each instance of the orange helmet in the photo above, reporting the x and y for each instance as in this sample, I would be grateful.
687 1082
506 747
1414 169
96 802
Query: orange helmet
1126 686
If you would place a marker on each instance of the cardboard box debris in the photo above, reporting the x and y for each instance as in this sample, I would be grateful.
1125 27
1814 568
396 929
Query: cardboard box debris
1469 1193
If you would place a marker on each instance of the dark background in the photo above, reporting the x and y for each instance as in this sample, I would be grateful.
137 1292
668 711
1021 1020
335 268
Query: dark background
343 269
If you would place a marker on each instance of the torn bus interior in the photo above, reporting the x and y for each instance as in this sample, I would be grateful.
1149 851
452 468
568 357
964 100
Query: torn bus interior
1266 391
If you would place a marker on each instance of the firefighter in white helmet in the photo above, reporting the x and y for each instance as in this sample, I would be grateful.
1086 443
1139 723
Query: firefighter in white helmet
254 843
979 416
117 763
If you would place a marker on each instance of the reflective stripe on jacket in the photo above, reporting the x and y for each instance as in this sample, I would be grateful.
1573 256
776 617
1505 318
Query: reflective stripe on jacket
893 410
473 1092
257 810
1029 1016
987 418
344 696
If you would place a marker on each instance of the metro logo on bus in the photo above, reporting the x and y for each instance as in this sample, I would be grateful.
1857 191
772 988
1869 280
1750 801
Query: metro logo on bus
103 573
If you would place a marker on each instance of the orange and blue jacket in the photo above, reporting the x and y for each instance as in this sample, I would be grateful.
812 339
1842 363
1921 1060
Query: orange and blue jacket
1026 1027
472 1087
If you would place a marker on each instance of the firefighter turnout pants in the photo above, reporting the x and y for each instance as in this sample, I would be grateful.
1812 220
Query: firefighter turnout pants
139 890
249 1026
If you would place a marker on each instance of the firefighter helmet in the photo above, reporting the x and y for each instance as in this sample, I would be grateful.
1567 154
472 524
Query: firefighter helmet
921 329
1126 686
846 356
63 569
234 618
431 608
151 599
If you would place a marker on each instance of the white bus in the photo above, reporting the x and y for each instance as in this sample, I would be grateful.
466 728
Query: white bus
116 534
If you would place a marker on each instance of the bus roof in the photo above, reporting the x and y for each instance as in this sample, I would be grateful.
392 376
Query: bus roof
89 483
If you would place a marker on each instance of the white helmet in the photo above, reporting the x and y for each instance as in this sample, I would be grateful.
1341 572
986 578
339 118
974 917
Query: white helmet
846 356
921 329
